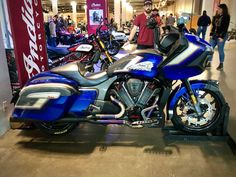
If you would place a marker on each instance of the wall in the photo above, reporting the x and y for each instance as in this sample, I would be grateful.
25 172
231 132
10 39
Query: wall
231 5
183 6
5 25
5 88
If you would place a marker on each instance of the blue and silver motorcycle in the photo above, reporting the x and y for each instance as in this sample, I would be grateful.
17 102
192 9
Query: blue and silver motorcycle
137 91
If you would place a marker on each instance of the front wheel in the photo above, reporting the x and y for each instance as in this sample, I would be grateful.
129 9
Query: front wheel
186 119
112 47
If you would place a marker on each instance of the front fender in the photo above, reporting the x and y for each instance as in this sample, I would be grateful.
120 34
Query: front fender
195 84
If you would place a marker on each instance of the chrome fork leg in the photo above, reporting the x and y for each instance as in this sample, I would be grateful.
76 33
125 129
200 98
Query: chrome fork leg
193 97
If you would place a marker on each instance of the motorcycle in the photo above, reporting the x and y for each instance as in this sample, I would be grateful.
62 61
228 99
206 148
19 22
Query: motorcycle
66 38
127 31
109 39
137 91
88 52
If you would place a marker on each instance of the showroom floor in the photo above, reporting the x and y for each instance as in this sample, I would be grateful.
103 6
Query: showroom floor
100 151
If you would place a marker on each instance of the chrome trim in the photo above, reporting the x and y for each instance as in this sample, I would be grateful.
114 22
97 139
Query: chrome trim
90 89
127 93
54 85
144 88
48 95
147 109
116 116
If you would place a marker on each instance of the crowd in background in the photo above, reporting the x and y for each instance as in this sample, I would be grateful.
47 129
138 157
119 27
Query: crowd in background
58 24
218 36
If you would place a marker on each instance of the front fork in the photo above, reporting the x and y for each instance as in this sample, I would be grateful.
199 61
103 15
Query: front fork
193 97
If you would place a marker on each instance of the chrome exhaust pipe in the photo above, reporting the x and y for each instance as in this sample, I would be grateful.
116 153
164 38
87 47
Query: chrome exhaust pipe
147 109
113 116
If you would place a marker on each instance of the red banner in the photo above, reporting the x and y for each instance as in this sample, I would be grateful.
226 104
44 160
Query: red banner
26 19
97 11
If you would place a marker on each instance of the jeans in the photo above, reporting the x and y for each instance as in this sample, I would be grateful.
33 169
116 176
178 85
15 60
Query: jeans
220 45
54 41
202 29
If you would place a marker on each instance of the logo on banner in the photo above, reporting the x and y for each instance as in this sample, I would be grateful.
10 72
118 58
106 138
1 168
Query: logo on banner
95 5
32 57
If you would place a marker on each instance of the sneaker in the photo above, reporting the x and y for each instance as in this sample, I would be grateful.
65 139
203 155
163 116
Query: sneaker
220 67
208 65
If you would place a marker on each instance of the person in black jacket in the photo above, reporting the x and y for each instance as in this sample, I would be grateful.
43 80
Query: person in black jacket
203 22
220 25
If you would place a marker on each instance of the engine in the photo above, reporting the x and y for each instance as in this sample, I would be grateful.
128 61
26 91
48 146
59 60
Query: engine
135 93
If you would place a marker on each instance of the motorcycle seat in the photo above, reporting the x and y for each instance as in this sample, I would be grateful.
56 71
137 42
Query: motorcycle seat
58 50
150 51
72 71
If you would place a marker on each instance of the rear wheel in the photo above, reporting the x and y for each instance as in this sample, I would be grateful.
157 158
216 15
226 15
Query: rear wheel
185 117
56 128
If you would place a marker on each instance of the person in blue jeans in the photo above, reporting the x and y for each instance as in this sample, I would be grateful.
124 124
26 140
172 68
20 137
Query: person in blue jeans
53 34
203 22
218 35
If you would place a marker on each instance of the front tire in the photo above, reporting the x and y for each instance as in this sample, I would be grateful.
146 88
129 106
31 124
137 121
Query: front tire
112 47
55 128
185 117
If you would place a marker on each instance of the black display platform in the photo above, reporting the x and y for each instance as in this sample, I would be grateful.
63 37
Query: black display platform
220 133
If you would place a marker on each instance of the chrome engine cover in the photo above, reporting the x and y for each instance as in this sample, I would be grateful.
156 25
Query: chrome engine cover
134 87
135 93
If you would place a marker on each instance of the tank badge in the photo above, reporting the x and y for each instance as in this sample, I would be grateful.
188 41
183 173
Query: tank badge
144 66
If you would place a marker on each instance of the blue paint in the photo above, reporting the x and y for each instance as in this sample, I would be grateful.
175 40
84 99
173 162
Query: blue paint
154 59
182 91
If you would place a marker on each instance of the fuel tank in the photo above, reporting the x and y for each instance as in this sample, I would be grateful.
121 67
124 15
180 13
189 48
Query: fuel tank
140 63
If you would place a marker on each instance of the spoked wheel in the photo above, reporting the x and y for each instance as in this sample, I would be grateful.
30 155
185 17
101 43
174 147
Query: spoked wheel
186 118
113 47
56 128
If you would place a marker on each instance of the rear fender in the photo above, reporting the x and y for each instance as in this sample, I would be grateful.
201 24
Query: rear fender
46 97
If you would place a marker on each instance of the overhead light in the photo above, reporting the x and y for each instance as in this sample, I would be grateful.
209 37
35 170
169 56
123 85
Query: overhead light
129 7
73 3
54 1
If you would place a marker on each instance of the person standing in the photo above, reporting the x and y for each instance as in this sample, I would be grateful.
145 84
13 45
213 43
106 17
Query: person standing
146 34
203 22
53 34
170 20
218 35
155 13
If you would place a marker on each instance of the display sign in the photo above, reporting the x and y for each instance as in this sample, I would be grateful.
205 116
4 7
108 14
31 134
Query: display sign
26 19
97 12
